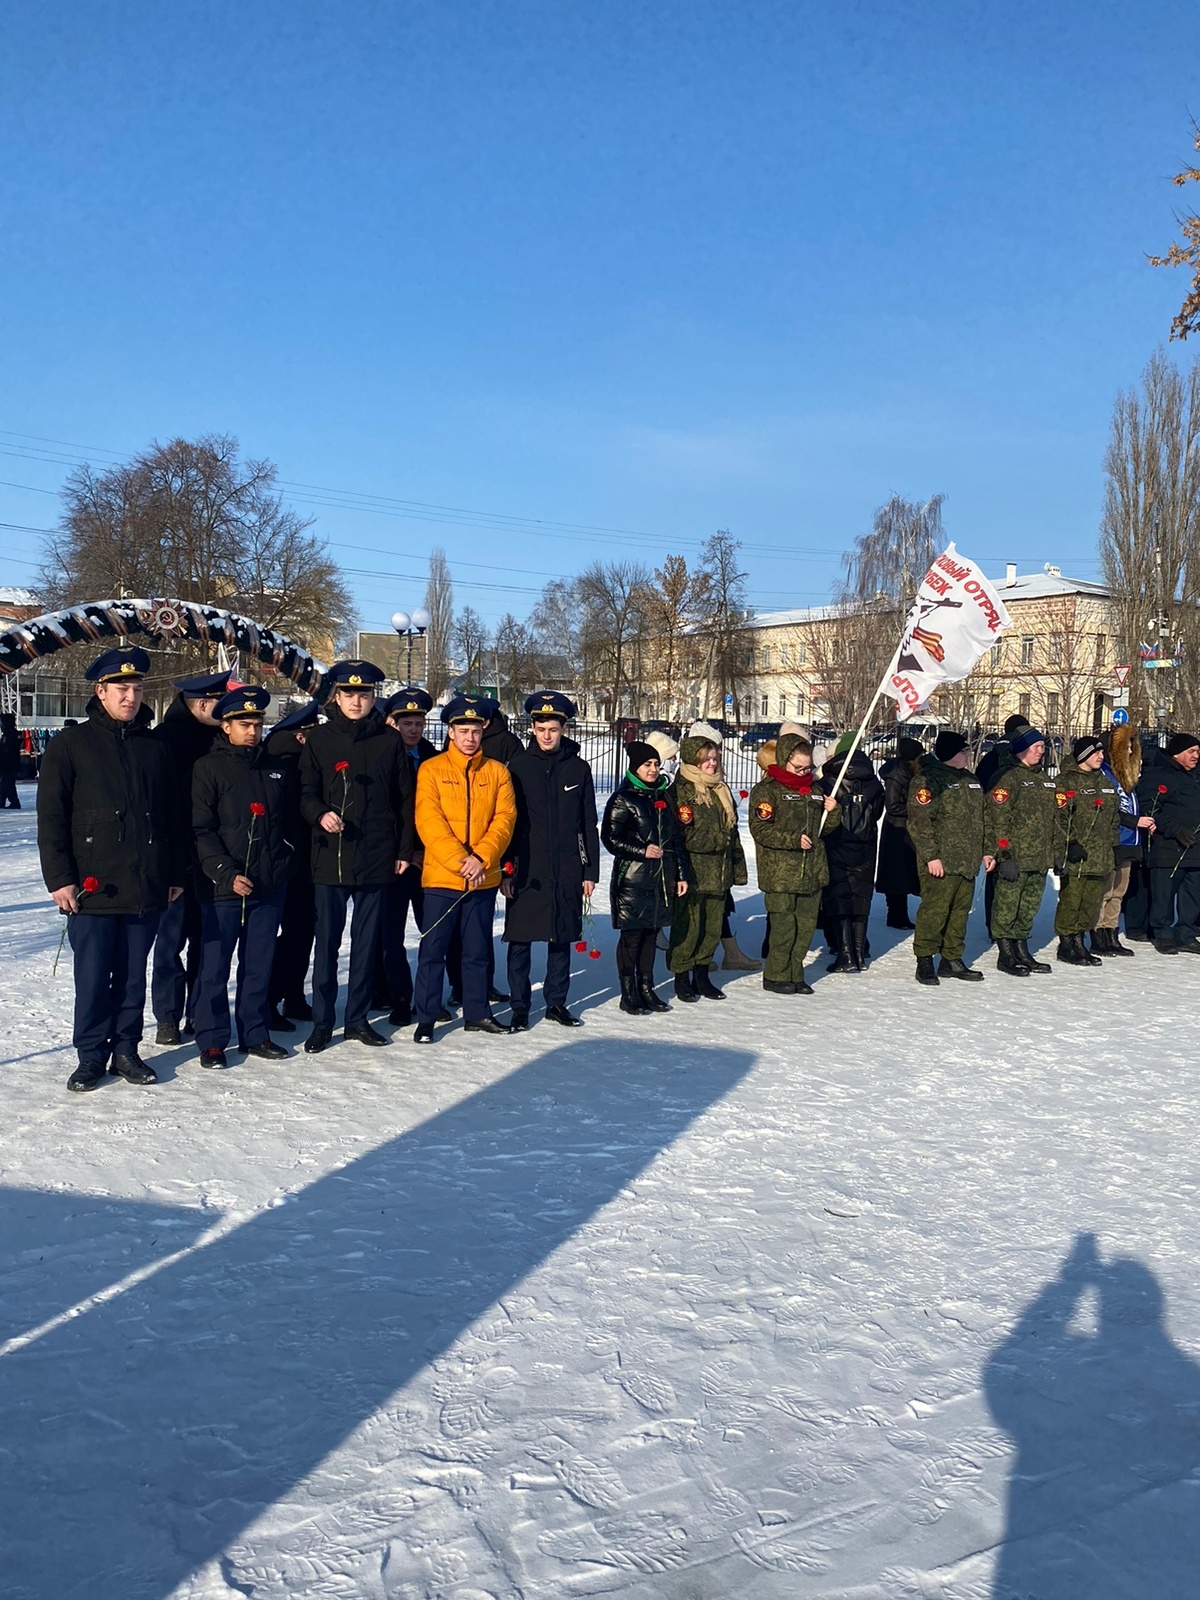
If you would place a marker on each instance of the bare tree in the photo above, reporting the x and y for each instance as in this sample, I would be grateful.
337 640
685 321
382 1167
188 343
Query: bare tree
471 638
190 521
609 595
888 563
1187 254
516 661
724 614
557 622
672 604
1150 535
439 602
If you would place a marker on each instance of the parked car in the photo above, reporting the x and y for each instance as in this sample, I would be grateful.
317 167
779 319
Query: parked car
671 729
758 733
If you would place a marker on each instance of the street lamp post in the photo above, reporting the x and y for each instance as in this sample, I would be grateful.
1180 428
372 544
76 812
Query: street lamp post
409 627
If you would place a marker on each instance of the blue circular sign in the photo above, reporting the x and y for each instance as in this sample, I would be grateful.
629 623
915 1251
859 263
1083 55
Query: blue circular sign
1120 715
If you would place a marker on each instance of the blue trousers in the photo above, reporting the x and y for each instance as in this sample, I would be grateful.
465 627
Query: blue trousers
173 984
403 893
293 948
110 952
222 933
558 974
365 925
471 917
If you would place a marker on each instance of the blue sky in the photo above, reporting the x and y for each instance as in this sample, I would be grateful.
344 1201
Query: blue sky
647 269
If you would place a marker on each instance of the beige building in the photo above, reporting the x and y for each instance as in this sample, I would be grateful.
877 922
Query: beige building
1055 664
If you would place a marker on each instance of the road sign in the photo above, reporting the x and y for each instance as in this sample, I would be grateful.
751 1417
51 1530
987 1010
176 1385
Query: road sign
1119 697
729 702
1121 674
1120 715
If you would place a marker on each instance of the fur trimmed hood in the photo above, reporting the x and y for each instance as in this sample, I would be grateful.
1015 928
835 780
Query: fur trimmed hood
1125 756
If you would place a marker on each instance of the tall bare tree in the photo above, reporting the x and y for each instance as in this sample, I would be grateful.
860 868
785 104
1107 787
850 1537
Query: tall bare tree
1150 535
471 638
723 617
189 520
516 661
609 595
557 622
673 603
439 602
1187 254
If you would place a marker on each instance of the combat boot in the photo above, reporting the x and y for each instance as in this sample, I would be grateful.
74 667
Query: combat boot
684 989
703 986
1115 947
1010 959
925 972
1086 958
1029 959
958 968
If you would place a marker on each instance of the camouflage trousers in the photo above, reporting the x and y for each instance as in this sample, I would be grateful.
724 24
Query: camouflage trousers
791 923
1016 905
1078 905
695 930
942 915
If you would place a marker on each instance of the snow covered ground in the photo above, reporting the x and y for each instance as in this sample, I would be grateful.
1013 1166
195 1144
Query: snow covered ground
880 1294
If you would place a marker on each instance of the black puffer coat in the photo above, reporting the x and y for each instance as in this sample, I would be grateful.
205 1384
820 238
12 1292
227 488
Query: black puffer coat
285 750
107 808
555 846
224 784
188 740
374 797
642 892
850 849
1178 809
896 875
499 742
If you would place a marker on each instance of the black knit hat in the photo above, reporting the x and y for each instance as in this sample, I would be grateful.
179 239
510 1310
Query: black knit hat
637 754
909 749
1014 724
1179 742
948 744
1081 749
1024 737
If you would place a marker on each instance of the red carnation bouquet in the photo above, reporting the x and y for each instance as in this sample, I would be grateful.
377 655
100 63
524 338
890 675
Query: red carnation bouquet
342 768
257 809
88 887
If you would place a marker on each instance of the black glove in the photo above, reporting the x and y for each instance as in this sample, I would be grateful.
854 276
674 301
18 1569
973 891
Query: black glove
1008 871
1076 852
1186 837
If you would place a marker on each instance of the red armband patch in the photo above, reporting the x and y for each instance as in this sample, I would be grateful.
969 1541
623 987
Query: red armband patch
1061 799
923 796
686 815
764 811
999 796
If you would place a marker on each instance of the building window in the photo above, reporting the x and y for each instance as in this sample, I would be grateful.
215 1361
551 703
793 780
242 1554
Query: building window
764 657
997 654
782 707
783 655
993 710
1027 650
1052 709
835 650
802 653
1101 650
748 706
801 707
1023 705
1056 649
763 707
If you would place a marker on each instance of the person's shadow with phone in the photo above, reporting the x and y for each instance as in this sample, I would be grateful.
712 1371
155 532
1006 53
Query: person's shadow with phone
1104 1411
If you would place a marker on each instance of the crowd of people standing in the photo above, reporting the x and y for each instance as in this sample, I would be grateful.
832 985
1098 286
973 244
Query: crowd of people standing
179 848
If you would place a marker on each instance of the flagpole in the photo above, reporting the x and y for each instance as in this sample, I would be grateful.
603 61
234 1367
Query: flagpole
857 740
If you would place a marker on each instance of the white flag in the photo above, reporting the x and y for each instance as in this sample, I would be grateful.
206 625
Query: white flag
957 615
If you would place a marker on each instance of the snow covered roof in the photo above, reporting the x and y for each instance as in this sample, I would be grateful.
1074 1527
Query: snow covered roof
19 597
1042 585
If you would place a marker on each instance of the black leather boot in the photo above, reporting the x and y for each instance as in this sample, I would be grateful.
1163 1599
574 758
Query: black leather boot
648 995
1086 958
133 1069
858 945
703 985
1031 961
631 1000
1009 960
958 968
841 946
1115 947
925 973
683 988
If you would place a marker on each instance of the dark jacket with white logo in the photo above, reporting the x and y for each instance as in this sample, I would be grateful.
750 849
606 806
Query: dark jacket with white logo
555 846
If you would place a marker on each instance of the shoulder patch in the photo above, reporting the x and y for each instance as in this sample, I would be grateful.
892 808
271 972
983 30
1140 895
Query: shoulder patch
686 815
764 811
1061 798
923 796
999 796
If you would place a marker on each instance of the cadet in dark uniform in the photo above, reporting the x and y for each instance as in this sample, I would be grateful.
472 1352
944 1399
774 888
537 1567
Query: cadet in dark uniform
405 711
945 823
188 730
787 809
1170 793
298 924
896 874
1089 821
553 861
1019 829
240 814
113 858
356 796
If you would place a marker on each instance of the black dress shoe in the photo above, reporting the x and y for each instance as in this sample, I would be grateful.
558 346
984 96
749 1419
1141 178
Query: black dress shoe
485 1025
316 1041
189 1026
87 1075
363 1033
773 986
298 1009
279 1023
400 1016
213 1058
444 1016
495 998
167 1033
133 1069
561 1015
267 1050
455 1001
520 1022
423 1033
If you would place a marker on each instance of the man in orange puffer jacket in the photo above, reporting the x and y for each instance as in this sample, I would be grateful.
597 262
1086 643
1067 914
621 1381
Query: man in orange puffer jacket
465 816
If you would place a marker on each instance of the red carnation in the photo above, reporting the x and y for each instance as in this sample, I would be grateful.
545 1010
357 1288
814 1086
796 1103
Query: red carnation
257 809
342 766
1070 794
90 885
660 805
594 955
743 794
1162 788
509 869
1098 801
581 946
1001 844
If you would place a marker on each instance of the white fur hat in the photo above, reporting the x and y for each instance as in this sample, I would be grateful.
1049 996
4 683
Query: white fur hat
705 730
664 744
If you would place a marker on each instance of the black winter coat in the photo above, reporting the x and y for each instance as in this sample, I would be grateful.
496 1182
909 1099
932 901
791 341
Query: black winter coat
642 892
107 809
1178 809
850 850
188 740
896 874
499 742
554 847
285 749
10 752
373 796
224 784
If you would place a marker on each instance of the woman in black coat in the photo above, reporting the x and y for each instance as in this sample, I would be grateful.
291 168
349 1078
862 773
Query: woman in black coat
896 877
649 873
850 851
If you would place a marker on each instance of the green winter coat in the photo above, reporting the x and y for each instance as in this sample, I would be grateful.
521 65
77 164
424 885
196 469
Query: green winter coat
1089 811
945 818
778 818
1020 809
713 843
